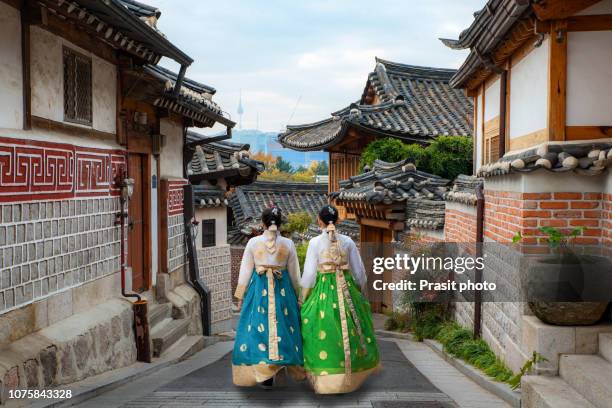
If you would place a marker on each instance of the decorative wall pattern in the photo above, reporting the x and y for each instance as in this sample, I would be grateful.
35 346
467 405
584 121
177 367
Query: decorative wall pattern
215 270
32 170
175 196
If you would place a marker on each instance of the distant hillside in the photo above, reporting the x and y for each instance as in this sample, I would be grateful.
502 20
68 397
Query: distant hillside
266 142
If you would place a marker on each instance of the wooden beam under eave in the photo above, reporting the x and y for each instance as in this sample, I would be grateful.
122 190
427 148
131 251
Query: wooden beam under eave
599 22
558 9
384 224
557 80
588 132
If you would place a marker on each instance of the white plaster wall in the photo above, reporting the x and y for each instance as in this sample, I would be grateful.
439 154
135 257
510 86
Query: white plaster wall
479 111
47 81
589 78
602 7
11 84
104 104
529 92
46 74
492 94
171 164
220 215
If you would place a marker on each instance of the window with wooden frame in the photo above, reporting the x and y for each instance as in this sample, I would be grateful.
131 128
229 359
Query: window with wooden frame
77 87
209 233
491 141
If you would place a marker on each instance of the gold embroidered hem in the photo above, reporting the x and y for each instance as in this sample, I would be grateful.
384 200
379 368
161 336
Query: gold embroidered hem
240 289
340 383
250 375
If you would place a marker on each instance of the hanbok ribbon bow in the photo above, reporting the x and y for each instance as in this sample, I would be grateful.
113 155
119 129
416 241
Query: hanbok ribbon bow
272 273
344 295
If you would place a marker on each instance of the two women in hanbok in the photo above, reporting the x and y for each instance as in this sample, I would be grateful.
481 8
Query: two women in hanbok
335 342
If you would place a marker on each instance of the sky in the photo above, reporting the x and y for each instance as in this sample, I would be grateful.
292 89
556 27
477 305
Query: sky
296 61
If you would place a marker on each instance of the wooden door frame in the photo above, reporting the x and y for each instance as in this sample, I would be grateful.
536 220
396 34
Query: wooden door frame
146 219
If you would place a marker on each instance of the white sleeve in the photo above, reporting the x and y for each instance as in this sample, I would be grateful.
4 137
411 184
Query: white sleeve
293 267
246 270
309 274
356 264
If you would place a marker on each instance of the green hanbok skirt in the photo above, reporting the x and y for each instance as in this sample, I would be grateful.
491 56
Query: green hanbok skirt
340 349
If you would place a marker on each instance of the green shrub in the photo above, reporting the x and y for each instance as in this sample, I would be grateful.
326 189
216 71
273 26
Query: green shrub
297 222
446 156
449 156
301 253
397 322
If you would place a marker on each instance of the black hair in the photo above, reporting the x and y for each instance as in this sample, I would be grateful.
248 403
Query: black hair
272 215
328 214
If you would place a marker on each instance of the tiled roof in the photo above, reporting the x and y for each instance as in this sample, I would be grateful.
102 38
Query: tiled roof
464 189
490 28
193 101
141 9
400 182
206 196
587 159
223 159
249 201
415 104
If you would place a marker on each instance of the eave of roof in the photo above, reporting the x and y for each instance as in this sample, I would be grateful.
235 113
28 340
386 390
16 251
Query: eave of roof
488 30
121 27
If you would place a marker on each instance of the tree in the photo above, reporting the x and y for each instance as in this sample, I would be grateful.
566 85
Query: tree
446 156
320 168
283 165
449 156
268 160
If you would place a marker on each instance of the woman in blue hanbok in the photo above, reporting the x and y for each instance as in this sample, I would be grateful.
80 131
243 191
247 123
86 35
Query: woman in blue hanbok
268 337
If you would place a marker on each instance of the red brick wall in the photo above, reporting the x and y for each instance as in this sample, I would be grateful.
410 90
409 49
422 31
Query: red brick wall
606 221
236 254
507 213
459 226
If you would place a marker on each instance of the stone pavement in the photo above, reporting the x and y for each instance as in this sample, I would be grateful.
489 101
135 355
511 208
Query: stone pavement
412 376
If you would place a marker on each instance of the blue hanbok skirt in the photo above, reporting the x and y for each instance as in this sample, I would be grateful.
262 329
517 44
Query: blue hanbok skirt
251 362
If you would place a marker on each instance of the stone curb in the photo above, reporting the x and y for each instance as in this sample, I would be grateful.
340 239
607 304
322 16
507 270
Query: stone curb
395 335
501 390
91 387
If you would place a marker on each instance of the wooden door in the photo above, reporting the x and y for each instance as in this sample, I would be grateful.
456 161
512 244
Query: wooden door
136 230
374 243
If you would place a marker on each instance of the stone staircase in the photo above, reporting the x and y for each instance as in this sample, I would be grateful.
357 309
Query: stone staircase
585 380
165 330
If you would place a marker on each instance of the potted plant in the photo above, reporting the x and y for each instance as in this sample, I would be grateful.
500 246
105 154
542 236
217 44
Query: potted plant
561 286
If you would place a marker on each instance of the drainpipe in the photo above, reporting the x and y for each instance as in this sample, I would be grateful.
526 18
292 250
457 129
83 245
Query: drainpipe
140 306
193 271
478 272
503 78
179 80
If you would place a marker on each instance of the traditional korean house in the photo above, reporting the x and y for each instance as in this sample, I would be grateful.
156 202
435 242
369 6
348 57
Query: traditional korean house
92 135
390 201
215 169
538 73
411 103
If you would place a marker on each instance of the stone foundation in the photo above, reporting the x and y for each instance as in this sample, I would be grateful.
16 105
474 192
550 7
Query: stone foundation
83 345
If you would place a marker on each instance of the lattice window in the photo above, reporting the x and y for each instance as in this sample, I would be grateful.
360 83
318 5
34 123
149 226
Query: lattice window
209 233
491 149
77 88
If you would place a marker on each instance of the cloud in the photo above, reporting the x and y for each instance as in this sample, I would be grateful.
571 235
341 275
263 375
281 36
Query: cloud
319 52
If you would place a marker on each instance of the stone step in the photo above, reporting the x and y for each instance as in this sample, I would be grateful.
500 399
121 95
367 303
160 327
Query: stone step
158 313
605 346
540 391
166 333
589 375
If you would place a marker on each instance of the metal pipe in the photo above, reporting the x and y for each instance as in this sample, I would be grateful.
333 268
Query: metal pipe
478 272
179 80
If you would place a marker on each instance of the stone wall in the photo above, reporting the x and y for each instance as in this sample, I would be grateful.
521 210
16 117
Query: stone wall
236 258
57 218
215 270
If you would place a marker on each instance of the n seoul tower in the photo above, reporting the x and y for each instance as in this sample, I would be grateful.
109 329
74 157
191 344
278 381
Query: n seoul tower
240 111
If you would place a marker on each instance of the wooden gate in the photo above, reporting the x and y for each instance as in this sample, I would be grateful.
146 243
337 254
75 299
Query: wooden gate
375 243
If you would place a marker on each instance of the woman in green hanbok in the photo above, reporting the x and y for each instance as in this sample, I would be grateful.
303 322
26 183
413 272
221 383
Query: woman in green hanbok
340 349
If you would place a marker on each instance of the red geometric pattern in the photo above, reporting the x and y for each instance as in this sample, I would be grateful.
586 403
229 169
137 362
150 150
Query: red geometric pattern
31 170
175 196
